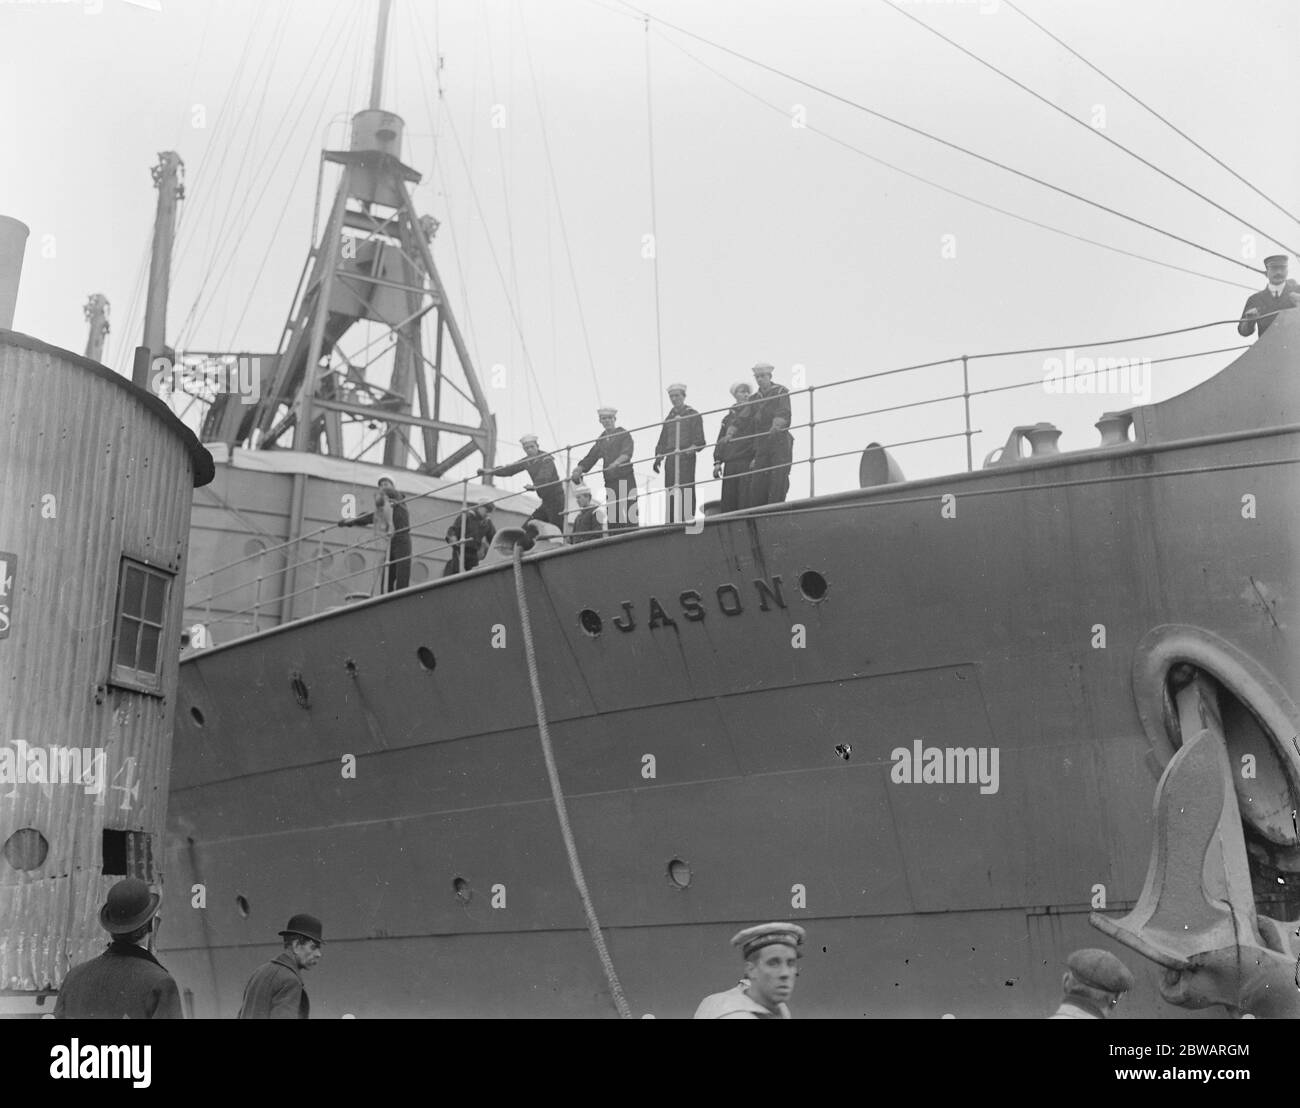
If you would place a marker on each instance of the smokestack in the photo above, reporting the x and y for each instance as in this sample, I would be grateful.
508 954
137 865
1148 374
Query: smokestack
13 244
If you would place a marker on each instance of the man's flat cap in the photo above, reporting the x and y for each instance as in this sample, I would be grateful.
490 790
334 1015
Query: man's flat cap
1100 969
1279 259
767 934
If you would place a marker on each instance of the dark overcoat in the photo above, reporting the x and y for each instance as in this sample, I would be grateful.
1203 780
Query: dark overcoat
125 982
275 992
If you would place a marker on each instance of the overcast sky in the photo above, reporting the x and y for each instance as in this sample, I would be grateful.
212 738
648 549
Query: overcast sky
775 242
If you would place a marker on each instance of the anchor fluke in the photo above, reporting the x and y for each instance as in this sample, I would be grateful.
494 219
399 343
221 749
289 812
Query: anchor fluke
1196 915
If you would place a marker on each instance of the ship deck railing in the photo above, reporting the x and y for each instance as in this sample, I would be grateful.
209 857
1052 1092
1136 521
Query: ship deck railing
311 552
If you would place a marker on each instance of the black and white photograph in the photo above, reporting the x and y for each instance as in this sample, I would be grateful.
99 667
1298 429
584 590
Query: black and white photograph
651 509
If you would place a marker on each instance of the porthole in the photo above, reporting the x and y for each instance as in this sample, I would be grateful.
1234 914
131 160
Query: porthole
241 906
197 716
590 622
426 658
26 849
679 873
463 891
813 585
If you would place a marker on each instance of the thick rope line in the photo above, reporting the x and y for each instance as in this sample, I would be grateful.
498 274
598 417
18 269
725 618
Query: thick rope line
557 794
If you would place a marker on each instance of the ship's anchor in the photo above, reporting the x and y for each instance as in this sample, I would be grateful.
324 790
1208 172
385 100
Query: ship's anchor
1196 916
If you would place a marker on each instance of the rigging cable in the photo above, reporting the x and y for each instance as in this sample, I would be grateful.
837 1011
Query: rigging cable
557 795
944 188
1182 134
559 210
528 361
250 205
1085 125
297 174
942 141
209 252
654 228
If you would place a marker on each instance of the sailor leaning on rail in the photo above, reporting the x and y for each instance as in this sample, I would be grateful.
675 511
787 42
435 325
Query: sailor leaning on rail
769 476
395 521
613 450
544 480
771 953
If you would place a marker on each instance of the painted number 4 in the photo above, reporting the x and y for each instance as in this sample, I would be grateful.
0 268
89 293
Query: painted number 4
130 787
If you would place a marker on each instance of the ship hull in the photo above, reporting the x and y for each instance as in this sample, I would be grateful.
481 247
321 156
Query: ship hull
748 745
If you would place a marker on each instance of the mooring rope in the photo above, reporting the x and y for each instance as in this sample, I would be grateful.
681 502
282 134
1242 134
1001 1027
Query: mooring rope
557 794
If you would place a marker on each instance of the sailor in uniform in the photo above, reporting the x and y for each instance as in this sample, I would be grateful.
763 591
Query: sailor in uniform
544 480
681 438
613 450
1280 294
588 519
1093 983
771 951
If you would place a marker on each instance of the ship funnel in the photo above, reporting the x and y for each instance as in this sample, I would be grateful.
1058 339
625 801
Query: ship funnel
13 244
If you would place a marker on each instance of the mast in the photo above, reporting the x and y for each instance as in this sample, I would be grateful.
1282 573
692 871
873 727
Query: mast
381 43
96 313
166 179
373 264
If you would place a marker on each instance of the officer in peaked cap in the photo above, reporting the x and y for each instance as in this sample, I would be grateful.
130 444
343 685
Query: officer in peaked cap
1094 981
771 951
275 990
126 981
1280 294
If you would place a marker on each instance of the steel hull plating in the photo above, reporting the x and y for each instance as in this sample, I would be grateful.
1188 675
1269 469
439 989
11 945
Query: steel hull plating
970 623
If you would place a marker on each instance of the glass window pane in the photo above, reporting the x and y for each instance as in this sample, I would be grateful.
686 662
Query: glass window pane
128 631
133 594
154 598
148 660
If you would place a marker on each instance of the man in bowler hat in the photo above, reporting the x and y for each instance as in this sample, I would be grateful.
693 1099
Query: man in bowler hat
126 981
275 991
1094 981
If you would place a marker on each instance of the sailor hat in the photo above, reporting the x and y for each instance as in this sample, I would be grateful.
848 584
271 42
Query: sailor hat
740 385
524 440
1100 969
677 388
753 939
581 490
607 411
1280 259
762 367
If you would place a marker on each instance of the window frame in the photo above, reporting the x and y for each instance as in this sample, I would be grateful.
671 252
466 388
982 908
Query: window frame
132 677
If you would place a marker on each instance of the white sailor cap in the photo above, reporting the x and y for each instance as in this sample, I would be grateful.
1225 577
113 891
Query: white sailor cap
753 939
607 411
762 367
524 440
677 388
580 490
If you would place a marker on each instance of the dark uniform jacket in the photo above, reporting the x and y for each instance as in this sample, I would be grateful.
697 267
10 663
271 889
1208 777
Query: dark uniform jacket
125 982
740 447
399 545
1267 303
545 478
611 445
768 403
692 435
275 992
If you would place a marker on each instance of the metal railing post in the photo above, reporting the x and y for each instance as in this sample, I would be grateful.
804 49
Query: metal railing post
812 445
965 393
315 589
464 530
